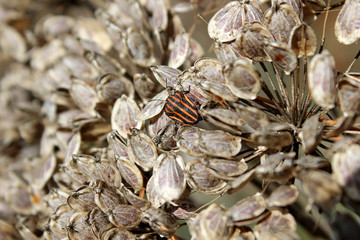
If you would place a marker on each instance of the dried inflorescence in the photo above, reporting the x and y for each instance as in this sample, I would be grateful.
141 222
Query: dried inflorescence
90 148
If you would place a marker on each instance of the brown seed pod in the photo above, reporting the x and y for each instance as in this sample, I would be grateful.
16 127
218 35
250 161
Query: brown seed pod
103 63
219 143
255 119
224 25
282 196
241 181
349 94
321 188
106 171
346 26
99 221
153 107
78 226
213 223
43 174
160 221
243 79
250 41
188 137
142 149
110 87
59 219
169 176
105 197
163 130
303 40
125 216
117 145
248 210
280 19
130 173
84 96
200 179
116 233
322 79
123 116
281 55
135 200
311 133
166 76
180 50
82 199
73 147
277 226
226 169
145 87
153 193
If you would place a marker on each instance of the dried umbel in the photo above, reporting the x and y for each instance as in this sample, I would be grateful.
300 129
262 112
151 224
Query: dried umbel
118 117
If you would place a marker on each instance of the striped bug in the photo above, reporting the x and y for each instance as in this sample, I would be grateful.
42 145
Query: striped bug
182 109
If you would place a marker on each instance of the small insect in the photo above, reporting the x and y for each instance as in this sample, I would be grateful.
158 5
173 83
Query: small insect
182 109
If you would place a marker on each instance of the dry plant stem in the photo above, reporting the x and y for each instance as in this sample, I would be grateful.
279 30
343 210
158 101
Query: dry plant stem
293 89
279 99
353 62
283 90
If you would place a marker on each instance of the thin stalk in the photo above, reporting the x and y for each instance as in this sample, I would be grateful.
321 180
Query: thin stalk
283 90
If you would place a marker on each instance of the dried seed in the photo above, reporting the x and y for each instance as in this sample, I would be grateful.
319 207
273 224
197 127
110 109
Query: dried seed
346 26
99 221
59 219
255 119
142 149
213 223
280 19
349 94
225 169
248 210
135 200
14 45
82 199
55 26
219 143
169 176
345 165
117 145
243 79
188 138
110 87
78 227
78 67
277 226
163 130
130 172
281 55
153 193
117 233
250 41
72 148
311 133
84 96
160 221
106 198
103 63
123 116
104 170
303 40
200 179
153 107
321 187
166 76
45 172
272 139
227 52
144 86
322 79
224 25
241 181
283 196
125 216
180 50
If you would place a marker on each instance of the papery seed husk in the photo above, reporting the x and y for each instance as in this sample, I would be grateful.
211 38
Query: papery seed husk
225 169
47 168
116 233
105 171
79 67
117 145
349 94
282 196
153 107
225 24
227 52
110 87
256 119
272 140
13 44
84 96
82 199
322 79
125 216
247 209
166 76
188 140
169 176
130 173
241 181
135 200
219 143
243 79
311 133
105 197
303 40
321 187
282 56
309 161
213 223
78 226
200 179
59 219
103 63
123 116
347 29
19 199
280 20
345 165
161 221
145 87
250 41
99 221
152 193
142 149
180 50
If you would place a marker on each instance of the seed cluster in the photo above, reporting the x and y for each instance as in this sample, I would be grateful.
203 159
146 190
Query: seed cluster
115 124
